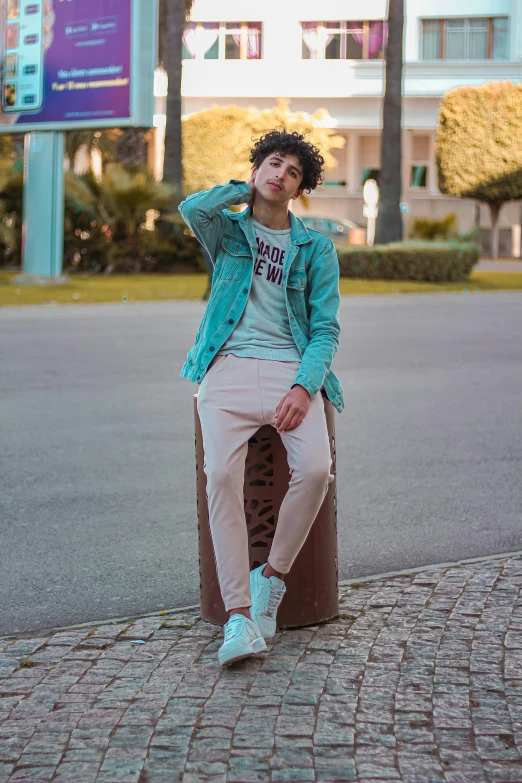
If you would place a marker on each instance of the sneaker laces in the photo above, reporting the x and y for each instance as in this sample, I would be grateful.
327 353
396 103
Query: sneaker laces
232 627
274 599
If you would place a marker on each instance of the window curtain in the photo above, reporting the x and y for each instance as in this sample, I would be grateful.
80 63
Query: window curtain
199 40
328 36
237 39
253 40
500 39
418 178
478 39
317 38
355 30
377 36
431 39
456 39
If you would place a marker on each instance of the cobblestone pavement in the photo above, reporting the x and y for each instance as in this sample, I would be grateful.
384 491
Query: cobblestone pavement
419 680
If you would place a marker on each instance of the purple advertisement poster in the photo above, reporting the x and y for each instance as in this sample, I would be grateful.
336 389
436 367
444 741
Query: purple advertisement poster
65 60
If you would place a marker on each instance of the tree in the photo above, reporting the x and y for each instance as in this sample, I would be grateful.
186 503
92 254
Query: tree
128 146
104 140
217 141
172 18
7 150
479 146
132 147
11 197
389 220
112 213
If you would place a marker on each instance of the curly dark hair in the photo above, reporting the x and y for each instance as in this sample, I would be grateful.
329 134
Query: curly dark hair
291 143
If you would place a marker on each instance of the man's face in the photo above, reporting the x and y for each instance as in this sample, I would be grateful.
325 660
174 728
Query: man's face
279 177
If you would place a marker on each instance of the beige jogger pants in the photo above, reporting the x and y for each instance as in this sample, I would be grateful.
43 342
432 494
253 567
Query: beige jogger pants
236 397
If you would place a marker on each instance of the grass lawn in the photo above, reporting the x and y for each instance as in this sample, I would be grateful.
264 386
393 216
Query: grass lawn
502 258
142 288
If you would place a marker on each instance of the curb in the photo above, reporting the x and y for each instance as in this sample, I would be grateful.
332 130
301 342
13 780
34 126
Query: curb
430 567
342 583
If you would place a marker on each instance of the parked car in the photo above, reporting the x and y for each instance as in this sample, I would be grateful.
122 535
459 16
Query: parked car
338 229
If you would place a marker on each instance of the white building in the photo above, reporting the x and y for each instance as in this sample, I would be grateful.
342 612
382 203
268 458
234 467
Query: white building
329 55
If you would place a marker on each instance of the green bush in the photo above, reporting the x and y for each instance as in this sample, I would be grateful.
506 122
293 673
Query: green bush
432 262
126 223
430 229
441 230
11 195
479 146
91 251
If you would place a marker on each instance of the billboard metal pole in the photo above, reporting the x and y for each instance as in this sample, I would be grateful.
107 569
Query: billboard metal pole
43 210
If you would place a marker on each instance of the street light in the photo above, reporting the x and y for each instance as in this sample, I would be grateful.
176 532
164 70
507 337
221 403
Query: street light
370 208
161 88
161 82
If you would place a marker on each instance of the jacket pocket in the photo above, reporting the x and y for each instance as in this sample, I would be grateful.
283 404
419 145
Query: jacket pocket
233 254
297 281
296 285
235 247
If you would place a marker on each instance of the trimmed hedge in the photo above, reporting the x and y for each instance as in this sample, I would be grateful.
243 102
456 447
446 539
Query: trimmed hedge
431 262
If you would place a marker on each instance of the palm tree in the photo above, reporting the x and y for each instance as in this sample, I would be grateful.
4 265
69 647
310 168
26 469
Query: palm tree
114 210
104 140
389 220
11 196
131 147
121 201
7 150
172 18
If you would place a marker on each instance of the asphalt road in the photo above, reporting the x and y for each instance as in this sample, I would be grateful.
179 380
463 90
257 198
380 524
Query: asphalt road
97 503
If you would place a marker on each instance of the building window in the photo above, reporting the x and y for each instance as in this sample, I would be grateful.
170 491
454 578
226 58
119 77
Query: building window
370 174
344 40
242 41
480 38
420 161
499 38
419 177
222 41
200 40
369 157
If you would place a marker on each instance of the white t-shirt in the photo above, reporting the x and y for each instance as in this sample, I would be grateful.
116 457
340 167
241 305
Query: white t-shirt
263 331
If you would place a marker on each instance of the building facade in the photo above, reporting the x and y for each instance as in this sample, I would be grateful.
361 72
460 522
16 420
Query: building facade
330 55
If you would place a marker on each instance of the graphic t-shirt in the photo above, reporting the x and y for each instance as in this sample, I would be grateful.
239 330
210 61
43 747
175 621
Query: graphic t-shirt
263 331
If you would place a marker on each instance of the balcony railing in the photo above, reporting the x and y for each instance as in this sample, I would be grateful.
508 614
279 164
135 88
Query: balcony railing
332 78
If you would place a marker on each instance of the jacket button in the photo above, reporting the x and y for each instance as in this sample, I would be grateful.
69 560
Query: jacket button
237 248
245 290
211 348
198 378
230 320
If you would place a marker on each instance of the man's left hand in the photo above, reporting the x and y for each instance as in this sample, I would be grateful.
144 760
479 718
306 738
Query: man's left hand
292 409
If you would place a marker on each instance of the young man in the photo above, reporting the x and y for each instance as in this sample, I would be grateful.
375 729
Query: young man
262 356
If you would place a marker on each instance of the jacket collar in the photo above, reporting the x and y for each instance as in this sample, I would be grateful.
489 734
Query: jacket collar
298 232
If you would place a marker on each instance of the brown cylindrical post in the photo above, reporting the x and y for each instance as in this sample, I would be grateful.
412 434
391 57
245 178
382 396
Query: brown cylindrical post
312 592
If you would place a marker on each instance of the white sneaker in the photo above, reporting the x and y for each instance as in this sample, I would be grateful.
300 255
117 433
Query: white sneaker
242 639
266 596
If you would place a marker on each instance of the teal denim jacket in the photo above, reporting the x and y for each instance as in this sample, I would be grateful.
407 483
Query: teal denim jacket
310 279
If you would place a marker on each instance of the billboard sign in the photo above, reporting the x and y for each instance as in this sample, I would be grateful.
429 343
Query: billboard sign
76 63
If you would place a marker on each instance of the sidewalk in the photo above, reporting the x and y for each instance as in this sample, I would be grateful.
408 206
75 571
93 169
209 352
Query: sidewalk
419 680
488 265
